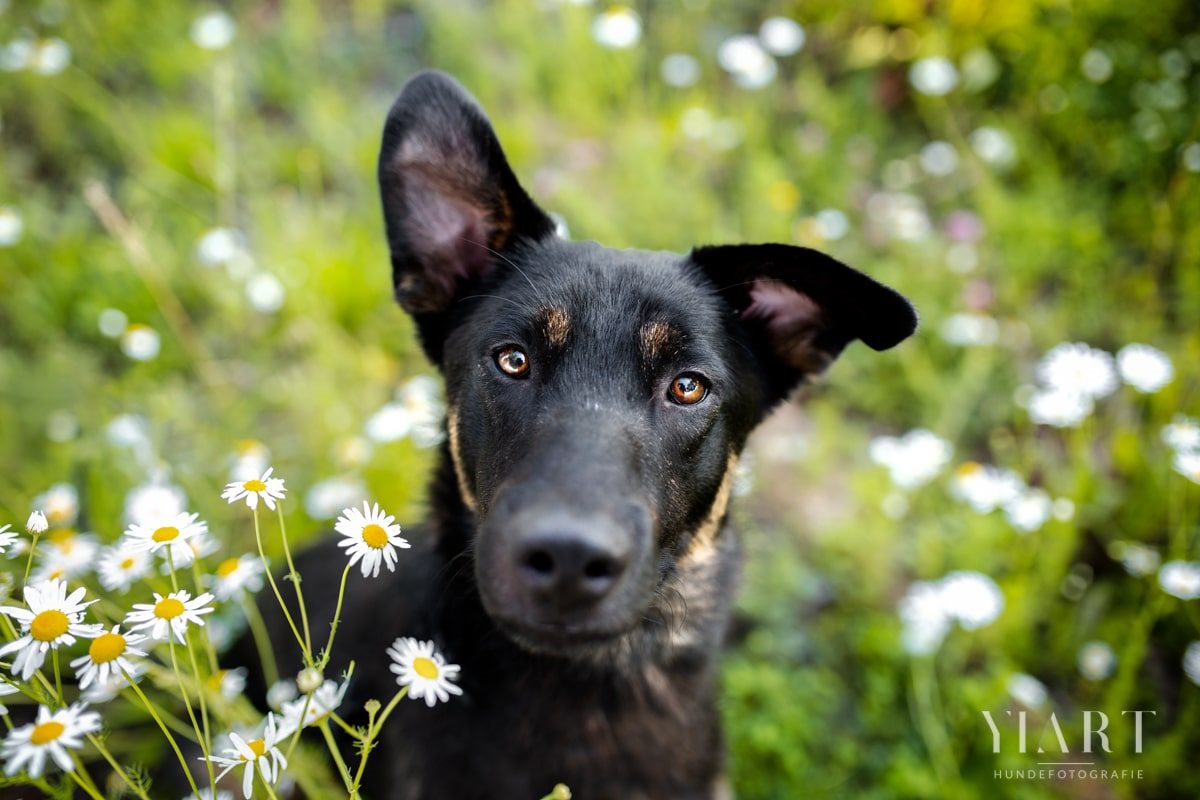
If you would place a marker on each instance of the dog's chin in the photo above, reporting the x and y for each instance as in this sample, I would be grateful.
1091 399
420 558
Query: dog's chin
573 642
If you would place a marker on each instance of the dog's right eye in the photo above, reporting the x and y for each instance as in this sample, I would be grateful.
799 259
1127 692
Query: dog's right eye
512 361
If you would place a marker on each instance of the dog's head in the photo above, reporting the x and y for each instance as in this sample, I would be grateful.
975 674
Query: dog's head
598 398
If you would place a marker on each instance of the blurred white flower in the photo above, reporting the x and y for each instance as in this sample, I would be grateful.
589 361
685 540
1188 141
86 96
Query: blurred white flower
1027 690
924 618
972 598
966 329
994 146
1145 368
1190 156
680 70
417 412
962 257
1096 661
619 28
220 246
985 487
900 215
1077 367
265 293
152 501
1191 662
60 503
237 575
325 499
1030 511
11 226
781 36
1180 579
979 69
1059 408
832 224
112 322
213 31
1137 559
934 76
128 430
894 505
939 158
280 693
140 342
1096 66
746 61
913 459
49 57
1187 464
250 459
15 55
67 554
1182 434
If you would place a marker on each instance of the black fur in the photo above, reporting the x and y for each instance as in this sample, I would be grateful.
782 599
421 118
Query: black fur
602 679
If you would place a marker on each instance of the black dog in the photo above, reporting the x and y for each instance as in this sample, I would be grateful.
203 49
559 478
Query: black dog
577 565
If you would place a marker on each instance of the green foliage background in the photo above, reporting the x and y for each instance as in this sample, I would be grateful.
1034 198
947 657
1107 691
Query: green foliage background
1091 235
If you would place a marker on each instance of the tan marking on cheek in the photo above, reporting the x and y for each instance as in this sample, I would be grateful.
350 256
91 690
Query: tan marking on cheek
455 456
657 337
704 538
556 325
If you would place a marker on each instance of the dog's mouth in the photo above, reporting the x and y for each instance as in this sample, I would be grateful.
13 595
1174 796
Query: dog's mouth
560 638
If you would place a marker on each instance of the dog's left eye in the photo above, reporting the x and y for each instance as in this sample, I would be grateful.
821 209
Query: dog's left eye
512 361
688 389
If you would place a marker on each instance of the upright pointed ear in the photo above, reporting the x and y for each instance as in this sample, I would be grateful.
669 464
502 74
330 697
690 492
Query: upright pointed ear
800 307
451 203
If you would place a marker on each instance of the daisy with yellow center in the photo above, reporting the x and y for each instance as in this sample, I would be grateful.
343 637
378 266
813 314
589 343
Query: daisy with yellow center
261 755
229 682
109 654
371 536
266 488
51 619
170 615
312 708
423 670
122 565
236 575
65 554
51 735
167 535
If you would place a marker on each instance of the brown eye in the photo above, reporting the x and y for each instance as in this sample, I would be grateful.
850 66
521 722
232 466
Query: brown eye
688 389
513 362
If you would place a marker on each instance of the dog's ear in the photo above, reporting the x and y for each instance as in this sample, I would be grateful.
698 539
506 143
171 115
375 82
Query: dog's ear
800 307
451 203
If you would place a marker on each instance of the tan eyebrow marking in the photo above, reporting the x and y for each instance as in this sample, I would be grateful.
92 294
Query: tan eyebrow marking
556 324
657 337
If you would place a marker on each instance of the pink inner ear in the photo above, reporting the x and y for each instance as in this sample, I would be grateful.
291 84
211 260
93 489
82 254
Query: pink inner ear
785 310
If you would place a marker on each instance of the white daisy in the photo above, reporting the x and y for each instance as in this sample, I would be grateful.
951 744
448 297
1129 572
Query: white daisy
51 735
1030 510
229 682
1187 464
1027 690
206 793
280 693
236 575
923 618
1059 408
1079 368
972 598
423 670
167 535
170 614
1182 434
985 487
1177 578
66 554
153 501
121 565
7 689
52 619
60 503
37 522
1145 368
261 755
313 707
372 536
7 538
107 655
1096 661
266 488
913 459
1137 559
1191 662
103 691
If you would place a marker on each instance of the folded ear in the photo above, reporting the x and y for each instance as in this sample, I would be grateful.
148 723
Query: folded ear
451 203
800 307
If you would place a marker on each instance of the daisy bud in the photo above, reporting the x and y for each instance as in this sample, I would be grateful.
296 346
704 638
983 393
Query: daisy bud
37 523
561 792
309 680
372 706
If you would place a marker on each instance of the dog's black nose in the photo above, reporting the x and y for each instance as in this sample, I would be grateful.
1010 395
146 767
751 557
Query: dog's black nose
570 567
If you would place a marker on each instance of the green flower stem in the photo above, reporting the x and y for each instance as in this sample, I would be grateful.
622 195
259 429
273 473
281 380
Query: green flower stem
57 676
29 561
374 726
275 588
296 733
266 785
213 666
346 726
112 762
83 780
187 702
295 576
343 770
337 618
199 686
924 690
187 773
400 695
262 642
